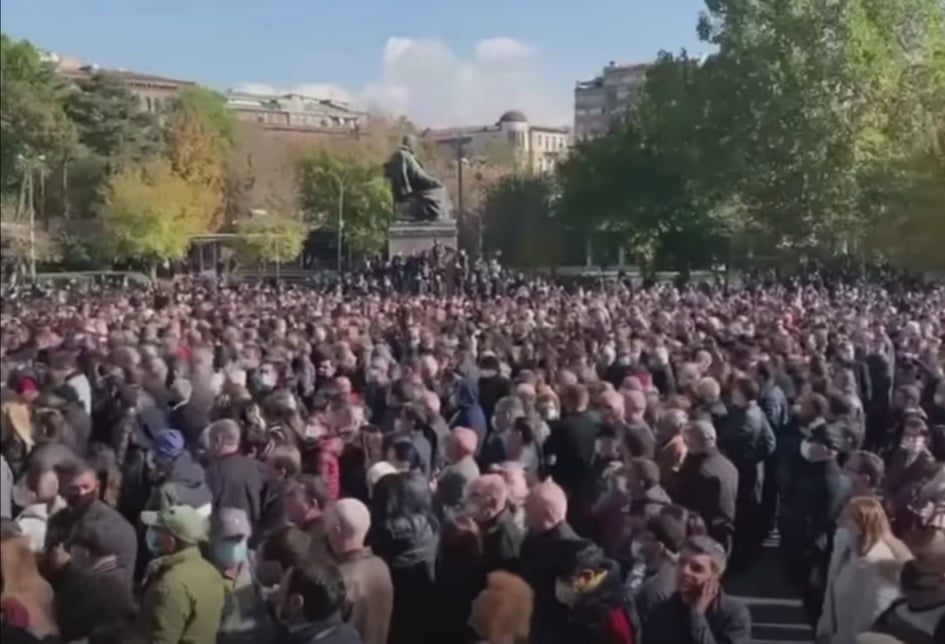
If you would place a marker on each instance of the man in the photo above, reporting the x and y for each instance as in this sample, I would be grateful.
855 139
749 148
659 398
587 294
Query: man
176 477
708 482
639 440
452 481
245 614
87 518
313 597
545 510
699 611
660 544
865 471
235 480
187 412
671 447
367 580
183 596
590 585
487 501
305 499
746 438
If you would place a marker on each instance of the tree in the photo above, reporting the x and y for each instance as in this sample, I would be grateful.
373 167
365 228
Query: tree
199 138
150 213
270 238
519 221
338 189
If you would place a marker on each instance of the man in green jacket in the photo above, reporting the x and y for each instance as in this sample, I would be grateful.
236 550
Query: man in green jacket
183 594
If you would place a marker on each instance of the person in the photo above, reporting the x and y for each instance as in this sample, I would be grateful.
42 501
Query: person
546 509
671 446
305 499
312 599
459 577
6 489
863 579
177 479
469 411
865 471
487 502
501 613
367 578
183 594
451 482
699 611
91 593
245 616
660 541
570 451
600 609
38 495
24 590
86 516
235 480
707 482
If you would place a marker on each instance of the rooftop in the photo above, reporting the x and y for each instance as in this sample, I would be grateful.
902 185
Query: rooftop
288 103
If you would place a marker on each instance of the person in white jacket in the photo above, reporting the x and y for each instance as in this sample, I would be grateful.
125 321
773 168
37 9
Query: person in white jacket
38 494
863 579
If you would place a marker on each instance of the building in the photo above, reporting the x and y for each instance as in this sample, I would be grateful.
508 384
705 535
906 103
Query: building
294 112
599 102
535 147
153 92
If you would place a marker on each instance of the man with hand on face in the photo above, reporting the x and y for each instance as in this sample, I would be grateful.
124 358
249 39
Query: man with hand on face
183 597
86 514
699 611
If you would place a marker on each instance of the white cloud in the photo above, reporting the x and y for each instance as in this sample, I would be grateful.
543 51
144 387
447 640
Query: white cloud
425 80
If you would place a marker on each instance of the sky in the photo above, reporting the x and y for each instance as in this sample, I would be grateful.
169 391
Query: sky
439 62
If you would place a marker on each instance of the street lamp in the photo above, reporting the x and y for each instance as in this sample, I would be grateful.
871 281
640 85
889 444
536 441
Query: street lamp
29 165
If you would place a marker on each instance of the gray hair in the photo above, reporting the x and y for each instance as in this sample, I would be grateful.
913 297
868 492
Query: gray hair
705 430
225 431
511 405
702 545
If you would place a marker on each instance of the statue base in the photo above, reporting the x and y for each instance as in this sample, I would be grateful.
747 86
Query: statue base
414 237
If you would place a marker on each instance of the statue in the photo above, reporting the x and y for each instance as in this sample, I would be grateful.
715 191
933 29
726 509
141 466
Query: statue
418 196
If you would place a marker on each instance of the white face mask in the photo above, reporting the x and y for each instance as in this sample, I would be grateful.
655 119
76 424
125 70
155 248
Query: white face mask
550 413
267 380
564 593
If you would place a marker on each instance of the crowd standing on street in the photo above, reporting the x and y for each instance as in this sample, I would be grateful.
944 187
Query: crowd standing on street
433 453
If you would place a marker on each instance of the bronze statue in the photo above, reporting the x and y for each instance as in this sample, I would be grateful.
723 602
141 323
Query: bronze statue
418 195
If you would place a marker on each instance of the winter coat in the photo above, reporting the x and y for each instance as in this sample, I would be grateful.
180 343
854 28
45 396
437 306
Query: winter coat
182 601
708 485
89 600
184 484
501 543
469 412
330 631
370 592
605 615
654 590
570 449
726 620
451 485
549 617
236 481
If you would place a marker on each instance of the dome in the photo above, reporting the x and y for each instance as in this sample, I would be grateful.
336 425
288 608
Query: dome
513 116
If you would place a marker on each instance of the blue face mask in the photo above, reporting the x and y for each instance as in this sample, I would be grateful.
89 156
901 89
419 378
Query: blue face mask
152 539
230 553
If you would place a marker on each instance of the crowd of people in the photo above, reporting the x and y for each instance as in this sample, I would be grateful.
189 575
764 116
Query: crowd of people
527 464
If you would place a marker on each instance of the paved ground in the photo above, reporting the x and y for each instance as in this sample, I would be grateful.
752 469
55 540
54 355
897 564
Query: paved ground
776 612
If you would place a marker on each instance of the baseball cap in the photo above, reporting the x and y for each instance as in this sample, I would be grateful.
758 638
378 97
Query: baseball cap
231 523
168 444
182 521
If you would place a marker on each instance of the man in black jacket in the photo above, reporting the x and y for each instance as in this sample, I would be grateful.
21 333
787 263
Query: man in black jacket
235 480
699 612
708 482
570 451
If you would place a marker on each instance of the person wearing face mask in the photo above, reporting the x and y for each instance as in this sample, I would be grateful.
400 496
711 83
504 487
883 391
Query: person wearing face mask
599 608
183 594
312 599
91 593
821 491
918 617
85 514
707 482
245 614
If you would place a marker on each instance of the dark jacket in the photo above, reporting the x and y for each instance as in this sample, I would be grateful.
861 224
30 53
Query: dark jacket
87 600
190 419
654 590
570 449
501 543
492 389
708 485
184 484
727 621
651 503
639 438
469 412
605 615
774 404
330 631
746 438
538 552
236 481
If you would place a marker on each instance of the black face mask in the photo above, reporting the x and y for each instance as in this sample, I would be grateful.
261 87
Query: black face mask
80 503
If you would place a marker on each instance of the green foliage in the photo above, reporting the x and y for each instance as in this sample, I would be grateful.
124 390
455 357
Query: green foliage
519 220
150 213
335 187
32 119
270 238
211 106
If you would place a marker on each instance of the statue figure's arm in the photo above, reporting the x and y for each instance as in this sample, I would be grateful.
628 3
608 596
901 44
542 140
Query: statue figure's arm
420 178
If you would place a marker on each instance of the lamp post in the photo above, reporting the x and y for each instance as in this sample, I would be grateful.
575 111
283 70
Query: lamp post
461 161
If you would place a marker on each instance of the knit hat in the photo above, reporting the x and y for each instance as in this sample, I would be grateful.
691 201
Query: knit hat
168 444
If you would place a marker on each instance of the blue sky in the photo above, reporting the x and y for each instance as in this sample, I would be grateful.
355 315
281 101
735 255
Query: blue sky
442 62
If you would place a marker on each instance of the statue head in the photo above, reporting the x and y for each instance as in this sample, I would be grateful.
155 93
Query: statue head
409 141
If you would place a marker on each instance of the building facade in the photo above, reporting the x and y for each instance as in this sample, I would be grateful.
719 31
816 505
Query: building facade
601 101
537 148
294 112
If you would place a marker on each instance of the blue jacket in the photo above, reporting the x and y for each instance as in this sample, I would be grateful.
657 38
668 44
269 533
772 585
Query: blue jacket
469 412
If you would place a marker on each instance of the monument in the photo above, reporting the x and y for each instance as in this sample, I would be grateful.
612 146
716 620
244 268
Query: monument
422 217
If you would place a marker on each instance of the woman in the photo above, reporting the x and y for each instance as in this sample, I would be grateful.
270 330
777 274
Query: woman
863 579
502 613
24 592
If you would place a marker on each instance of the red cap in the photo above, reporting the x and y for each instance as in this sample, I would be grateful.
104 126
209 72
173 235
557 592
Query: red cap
27 385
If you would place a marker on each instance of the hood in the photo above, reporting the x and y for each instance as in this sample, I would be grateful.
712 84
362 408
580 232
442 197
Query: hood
186 471
467 393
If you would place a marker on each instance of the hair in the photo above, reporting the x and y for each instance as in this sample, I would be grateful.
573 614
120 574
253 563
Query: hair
19 567
103 460
575 556
708 546
405 452
668 531
695 525
312 487
646 471
867 515
869 465
322 588
747 387
286 458
288 545
502 612
226 431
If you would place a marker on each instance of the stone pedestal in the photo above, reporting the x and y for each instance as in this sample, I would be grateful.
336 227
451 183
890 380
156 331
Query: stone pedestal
412 238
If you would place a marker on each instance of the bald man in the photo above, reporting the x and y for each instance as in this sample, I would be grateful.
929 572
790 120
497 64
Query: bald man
367 578
462 470
545 510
